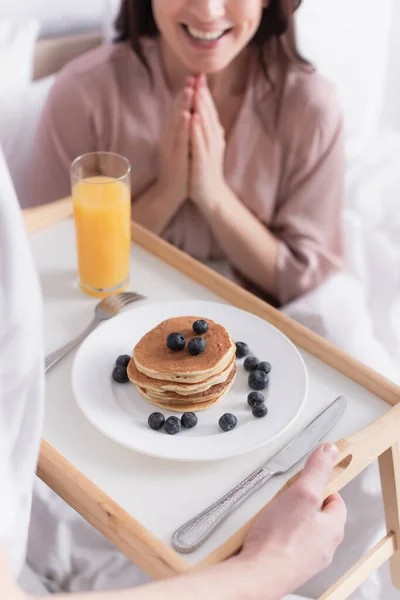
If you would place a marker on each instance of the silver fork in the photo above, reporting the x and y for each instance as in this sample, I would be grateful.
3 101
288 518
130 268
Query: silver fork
107 308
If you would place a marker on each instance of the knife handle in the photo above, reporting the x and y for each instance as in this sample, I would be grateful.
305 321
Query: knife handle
193 533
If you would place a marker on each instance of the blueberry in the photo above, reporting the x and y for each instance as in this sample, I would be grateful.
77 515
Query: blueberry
258 380
123 360
228 422
196 345
189 420
251 363
242 350
156 420
255 398
200 327
176 341
259 411
264 366
120 375
172 425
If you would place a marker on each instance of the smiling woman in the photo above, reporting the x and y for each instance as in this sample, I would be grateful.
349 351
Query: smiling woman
256 22
235 141
207 38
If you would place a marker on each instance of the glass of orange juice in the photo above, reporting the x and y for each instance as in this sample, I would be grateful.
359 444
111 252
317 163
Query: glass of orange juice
102 213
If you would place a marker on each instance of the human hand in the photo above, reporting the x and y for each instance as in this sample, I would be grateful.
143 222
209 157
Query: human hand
174 144
298 533
207 138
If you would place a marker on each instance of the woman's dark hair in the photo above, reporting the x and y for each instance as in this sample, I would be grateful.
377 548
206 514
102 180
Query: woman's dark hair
136 20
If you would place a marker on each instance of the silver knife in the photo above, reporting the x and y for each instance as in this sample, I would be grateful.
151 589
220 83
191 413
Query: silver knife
192 534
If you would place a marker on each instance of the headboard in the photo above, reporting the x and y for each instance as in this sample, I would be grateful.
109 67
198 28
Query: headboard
54 53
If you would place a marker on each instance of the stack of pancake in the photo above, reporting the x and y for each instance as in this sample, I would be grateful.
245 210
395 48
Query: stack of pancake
177 380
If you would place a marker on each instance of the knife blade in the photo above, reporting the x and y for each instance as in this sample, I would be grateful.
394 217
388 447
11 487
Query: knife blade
197 530
308 438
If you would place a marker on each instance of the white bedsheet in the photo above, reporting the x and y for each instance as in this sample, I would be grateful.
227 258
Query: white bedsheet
359 310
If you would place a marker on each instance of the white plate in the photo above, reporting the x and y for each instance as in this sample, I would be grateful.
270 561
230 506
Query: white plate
120 413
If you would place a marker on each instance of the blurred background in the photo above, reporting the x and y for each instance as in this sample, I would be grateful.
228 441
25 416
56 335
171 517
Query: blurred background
353 43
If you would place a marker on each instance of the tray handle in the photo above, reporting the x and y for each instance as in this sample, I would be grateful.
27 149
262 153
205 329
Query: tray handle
359 450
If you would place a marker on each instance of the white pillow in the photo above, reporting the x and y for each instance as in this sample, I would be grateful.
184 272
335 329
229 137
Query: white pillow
111 12
392 105
348 42
19 118
17 47
57 17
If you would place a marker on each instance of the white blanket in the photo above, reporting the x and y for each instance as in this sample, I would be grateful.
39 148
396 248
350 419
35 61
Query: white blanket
359 310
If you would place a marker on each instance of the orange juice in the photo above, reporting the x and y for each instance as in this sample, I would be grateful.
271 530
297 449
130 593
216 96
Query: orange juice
102 211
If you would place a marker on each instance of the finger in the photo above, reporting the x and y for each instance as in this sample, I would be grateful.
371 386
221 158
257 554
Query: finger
173 122
173 126
334 506
199 146
334 515
204 92
191 81
317 471
200 108
185 101
204 120
181 145
201 97
205 101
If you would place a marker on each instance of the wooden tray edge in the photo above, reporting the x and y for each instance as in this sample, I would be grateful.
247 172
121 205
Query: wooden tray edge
41 217
120 528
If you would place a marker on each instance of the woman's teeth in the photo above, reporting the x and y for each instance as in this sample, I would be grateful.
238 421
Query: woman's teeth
206 36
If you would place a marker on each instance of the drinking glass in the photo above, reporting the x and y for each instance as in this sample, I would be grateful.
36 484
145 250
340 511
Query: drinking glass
102 212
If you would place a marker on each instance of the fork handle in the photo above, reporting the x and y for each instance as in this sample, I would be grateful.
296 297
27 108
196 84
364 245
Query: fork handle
54 357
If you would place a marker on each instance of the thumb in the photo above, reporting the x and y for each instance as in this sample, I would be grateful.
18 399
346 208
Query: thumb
318 469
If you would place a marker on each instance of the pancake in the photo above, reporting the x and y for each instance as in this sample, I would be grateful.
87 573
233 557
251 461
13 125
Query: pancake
185 389
153 358
181 407
212 392
186 407
181 401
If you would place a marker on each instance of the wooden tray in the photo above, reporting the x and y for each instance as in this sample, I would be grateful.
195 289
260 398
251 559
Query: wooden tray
377 441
